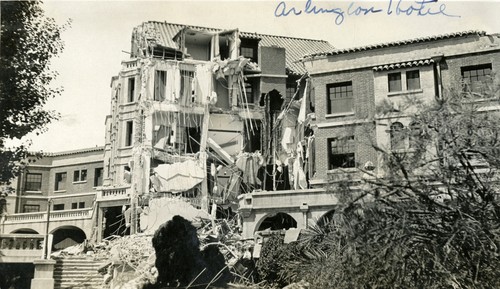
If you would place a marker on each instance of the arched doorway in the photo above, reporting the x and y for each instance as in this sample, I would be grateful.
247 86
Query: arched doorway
67 236
326 219
24 231
278 221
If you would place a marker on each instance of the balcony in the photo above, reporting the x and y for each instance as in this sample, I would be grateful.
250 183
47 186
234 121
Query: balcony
54 216
21 248
113 193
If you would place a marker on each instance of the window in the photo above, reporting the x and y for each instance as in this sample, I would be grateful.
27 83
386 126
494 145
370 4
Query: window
131 89
249 52
415 133
160 85
475 78
412 80
249 91
98 174
60 183
397 136
187 88
290 91
394 81
80 176
58 207
31 208
341 153
33 182
340 97
129 128
79 205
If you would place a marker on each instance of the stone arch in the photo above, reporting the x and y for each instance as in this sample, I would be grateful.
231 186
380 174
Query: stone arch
24 231
276 221
326 218
65 236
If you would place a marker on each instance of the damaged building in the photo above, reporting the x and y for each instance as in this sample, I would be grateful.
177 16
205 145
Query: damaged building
210 115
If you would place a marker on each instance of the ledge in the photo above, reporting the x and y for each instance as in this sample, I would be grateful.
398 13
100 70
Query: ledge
333 115
404 92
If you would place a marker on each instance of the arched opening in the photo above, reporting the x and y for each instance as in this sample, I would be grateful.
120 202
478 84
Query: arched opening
326 219
24 231
67 236
278 221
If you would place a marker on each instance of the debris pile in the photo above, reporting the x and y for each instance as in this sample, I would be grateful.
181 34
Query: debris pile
213 252
131 261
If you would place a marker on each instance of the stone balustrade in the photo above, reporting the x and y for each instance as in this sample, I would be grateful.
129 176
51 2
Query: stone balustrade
21 242
54 216
113 193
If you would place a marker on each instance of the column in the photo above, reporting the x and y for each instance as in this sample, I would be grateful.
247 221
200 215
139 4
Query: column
44 274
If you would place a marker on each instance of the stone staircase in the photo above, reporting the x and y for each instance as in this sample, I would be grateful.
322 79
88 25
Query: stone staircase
77 272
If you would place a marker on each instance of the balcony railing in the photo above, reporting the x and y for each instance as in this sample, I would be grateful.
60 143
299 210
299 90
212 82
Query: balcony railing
21 248
21 242
113 193
54 216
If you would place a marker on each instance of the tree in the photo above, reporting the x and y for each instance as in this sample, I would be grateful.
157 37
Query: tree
433 220
29 40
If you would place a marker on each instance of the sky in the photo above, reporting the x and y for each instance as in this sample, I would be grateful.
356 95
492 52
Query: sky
100 33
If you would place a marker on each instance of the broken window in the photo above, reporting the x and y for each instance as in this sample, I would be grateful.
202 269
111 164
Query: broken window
341 153
249 91
187 92
193 139
60 182
160 85
162 136
252 135
249 49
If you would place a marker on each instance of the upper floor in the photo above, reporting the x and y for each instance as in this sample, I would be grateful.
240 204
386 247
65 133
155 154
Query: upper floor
365 97
71 178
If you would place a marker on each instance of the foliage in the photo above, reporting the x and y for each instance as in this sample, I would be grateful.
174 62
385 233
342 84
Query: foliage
432 221
29 40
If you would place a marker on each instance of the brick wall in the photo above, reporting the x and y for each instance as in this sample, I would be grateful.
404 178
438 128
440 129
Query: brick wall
450 67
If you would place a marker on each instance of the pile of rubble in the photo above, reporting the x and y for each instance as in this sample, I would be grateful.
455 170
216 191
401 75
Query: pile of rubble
131 259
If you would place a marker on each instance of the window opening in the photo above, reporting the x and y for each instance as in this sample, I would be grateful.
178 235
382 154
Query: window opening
341 152
31 208
131 89
397 136
476 78
80 176
394 82
413 80
128 133
340 97
60 183
33 182
98 176
160 85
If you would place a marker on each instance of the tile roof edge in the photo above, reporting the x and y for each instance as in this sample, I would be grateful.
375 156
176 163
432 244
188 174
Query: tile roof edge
399 43
69 152
214 28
